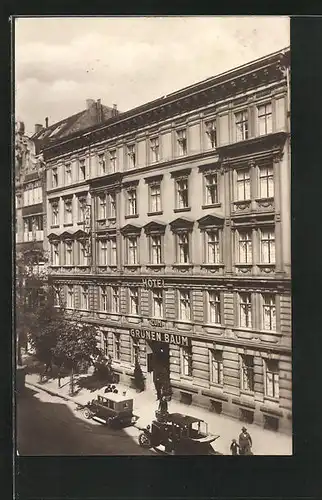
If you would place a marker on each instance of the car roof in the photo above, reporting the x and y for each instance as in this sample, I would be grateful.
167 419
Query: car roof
112 396
180 419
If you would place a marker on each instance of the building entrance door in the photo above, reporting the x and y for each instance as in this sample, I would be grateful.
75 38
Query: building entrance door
158 365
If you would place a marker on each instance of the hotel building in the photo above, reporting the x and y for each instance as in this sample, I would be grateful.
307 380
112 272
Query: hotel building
169 228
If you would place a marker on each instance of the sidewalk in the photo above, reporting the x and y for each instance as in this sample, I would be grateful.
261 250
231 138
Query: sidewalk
265 442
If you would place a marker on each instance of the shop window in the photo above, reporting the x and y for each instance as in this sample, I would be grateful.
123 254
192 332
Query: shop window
246 415
185 398
271 423
216 407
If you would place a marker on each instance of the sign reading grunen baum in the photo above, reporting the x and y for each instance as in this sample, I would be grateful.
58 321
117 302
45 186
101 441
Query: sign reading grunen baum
169 338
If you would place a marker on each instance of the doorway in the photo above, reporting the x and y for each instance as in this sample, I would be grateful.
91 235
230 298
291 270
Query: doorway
158 364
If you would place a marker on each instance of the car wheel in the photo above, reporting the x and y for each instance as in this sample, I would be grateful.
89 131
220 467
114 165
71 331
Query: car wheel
109 422
144 440
87 413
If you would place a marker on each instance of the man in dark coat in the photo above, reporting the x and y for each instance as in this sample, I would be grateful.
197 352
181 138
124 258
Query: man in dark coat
245 442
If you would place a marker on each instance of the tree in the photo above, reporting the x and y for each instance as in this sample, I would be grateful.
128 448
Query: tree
76 344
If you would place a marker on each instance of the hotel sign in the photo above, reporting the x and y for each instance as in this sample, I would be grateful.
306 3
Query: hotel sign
169 338
152 283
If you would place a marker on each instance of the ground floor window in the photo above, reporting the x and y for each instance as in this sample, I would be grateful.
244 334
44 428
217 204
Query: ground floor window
247 373
271 378
217 367
186 361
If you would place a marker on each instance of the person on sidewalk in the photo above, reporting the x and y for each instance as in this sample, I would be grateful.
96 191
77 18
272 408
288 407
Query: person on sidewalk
245 442
158 387
234 447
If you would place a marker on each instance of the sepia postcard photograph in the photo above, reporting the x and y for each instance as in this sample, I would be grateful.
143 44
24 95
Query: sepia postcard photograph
152 241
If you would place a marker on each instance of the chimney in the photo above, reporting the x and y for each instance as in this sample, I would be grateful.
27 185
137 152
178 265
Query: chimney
114 112
99 111
89 103
38 128
46 121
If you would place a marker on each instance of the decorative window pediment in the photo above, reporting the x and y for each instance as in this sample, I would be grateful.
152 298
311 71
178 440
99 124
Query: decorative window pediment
181 173
131 229
53 237
153 179
67 235
154 227
211 220
182 223
80 234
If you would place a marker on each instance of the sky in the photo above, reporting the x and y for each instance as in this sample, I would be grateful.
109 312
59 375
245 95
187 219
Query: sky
61 62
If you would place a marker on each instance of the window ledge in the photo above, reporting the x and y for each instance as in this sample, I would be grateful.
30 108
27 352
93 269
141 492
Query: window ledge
247 394
271 401
101 220
159 212
111 219
269 199
54 226
68 224
214 205
211 264
188 378
241 202
132 265
184 321
80 223
134 216
184 209
156 265
268 264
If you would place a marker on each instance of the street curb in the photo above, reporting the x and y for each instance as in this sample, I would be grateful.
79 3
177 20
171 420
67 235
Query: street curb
53 393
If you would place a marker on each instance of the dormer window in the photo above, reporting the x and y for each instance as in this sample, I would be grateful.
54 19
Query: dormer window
131 155
211 133
182 142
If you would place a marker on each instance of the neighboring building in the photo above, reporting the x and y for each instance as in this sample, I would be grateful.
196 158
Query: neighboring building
169 228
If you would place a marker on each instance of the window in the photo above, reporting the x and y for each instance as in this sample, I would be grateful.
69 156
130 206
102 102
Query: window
155 197
68 253
183 247
131 201
214 308
105 344
102 207
117 346
83 254
115 302
135 350
54 177
154 145
157 303
82 169
243 185
111 205
132 246
186 361
267 247
103 298
84 297
272 378
269 312
68 173
102 163
244 247
217 367
39 225
131 156
182 142
247 373
55 253
245 310
211 133
184 305
264 119
156 249
68 213
56 296
211 189
102 258
112 155
81 209
182 193
113 260
212 247
134 301
70 296
54 214
241 120
266 181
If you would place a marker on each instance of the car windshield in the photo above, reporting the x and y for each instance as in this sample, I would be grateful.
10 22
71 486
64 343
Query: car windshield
199 428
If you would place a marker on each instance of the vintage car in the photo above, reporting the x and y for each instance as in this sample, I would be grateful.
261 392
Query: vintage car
179 435
116 410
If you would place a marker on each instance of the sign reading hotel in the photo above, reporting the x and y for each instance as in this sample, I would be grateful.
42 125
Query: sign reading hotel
152 283
168 338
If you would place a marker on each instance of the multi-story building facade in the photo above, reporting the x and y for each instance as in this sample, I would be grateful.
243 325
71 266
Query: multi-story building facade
169 228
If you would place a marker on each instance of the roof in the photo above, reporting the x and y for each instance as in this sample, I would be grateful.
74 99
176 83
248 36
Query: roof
180 419
112 396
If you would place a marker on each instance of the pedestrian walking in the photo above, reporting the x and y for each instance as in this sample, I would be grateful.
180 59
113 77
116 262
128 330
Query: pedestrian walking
245 442
163 405
158 387
234 447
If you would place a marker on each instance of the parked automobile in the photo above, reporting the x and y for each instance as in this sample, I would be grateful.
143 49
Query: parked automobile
179 435
114 408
